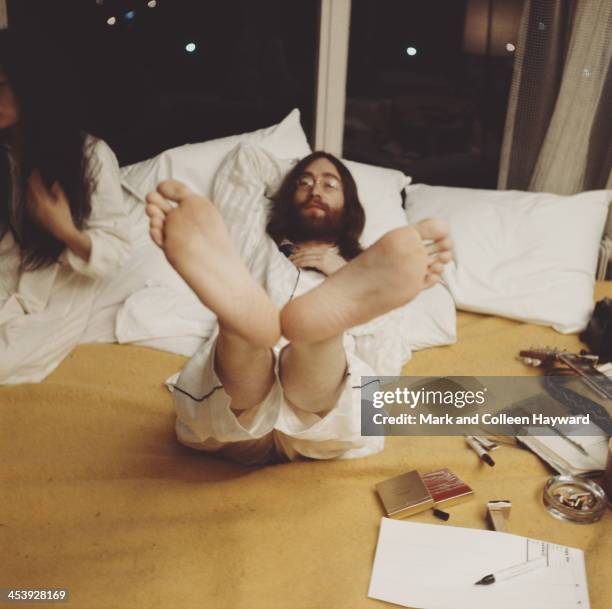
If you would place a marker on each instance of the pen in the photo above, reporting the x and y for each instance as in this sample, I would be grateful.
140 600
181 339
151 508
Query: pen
479 450
573 442
441 514
514 571
486 443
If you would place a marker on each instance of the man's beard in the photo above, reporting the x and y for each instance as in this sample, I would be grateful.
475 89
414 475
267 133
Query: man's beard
301 227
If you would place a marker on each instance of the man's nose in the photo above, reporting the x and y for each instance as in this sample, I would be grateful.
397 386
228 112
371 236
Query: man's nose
317 189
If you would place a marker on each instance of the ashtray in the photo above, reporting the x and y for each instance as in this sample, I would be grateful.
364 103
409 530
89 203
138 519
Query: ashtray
574 499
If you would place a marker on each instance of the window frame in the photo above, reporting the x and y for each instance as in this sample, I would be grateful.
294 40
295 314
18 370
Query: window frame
334 27
3 15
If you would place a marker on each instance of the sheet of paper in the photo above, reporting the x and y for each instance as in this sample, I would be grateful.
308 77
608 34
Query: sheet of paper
426 566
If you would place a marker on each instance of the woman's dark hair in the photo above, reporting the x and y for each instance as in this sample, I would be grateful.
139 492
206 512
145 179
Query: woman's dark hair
51 142
354 215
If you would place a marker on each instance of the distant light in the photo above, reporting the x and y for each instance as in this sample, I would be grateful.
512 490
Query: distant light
510 48
411 51
130 15
191 47
99 2
152 3
111 21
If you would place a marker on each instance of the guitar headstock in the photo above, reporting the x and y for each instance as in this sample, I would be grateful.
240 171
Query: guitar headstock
541 356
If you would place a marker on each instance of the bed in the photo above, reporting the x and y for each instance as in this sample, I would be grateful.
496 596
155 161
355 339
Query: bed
98 497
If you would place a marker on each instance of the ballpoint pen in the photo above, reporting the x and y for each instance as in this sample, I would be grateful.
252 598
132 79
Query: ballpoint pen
479 450
573 442
513 571
486 443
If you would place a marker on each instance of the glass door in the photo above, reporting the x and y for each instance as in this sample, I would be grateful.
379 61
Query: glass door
427 86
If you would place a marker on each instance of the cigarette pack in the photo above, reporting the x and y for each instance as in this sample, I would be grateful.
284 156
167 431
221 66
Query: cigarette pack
404 495
446 488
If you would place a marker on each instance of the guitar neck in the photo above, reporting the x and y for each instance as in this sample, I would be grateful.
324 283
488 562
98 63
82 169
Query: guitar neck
598 382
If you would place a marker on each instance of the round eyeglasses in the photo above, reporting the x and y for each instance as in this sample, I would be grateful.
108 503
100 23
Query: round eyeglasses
328 183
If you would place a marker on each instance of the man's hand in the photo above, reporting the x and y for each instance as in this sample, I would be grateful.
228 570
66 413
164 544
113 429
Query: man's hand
319 257
50 208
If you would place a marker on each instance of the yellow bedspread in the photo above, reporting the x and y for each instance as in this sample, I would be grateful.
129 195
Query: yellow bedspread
98 497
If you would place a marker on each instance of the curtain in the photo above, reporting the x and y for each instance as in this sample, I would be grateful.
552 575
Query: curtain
558 130
3 16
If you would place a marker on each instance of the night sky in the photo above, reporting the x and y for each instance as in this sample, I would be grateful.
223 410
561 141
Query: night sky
144 91
169 72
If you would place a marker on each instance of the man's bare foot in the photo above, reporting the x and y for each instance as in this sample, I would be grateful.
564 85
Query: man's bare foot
385 276
196 243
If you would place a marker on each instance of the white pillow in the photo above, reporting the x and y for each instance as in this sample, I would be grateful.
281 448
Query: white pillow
197 164
380 193
527 256
430 319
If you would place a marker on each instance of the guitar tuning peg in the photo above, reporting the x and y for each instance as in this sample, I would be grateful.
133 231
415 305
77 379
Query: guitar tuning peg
536 362
528 361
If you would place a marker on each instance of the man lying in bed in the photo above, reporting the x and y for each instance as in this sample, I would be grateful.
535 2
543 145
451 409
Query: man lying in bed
248 394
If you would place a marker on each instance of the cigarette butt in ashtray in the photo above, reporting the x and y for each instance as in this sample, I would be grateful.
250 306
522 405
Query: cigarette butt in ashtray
498 512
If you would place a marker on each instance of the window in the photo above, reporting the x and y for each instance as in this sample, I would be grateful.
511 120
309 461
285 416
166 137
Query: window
160 73
427 86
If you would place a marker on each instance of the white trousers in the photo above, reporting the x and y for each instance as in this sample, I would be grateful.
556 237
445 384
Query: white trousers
274 429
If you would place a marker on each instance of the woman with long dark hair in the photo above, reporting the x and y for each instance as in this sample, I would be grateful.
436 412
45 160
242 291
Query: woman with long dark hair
62 213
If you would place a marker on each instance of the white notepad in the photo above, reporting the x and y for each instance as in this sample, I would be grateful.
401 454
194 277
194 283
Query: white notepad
426 566
563 456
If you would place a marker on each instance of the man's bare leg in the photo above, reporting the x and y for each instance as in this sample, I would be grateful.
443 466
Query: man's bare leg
196 243
385 276
313 373
246 371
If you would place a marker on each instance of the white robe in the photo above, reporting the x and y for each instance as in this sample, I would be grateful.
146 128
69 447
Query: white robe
127 292
274 427
44 313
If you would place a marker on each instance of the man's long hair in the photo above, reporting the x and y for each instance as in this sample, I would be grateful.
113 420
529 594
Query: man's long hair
353 218
53 144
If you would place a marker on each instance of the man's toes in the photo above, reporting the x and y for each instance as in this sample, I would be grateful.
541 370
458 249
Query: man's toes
153 198
435 268
157 236
173 190
432 229
156 222
431 279
442 257
445 257
153 211
441 245
156 202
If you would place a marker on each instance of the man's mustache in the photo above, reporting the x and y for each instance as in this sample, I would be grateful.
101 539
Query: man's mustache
317 203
